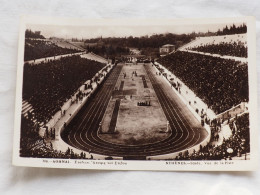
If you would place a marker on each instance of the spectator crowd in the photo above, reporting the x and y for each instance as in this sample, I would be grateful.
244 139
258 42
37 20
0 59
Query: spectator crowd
35 49
223 48
48 85
33 145
236 145
220 83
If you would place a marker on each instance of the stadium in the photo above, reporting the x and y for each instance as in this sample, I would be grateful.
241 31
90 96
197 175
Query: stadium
160 97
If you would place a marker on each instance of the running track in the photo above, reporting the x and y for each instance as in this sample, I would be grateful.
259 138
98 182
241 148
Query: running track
82 131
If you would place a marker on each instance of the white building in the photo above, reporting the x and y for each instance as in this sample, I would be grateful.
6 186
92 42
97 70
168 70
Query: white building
165 49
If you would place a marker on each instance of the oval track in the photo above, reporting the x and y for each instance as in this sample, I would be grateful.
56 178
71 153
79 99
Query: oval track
82 131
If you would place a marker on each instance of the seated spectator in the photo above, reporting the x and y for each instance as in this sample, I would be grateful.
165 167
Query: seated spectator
223 48
32 145
236 145
220 83
47 86
35 49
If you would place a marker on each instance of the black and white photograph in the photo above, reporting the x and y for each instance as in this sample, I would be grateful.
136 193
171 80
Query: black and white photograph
136 94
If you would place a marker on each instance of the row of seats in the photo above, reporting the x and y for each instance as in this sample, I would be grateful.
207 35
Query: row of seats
36 49
220 83
32 145
47 86
229 49
235 146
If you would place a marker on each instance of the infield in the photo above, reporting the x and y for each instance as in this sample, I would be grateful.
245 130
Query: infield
138 118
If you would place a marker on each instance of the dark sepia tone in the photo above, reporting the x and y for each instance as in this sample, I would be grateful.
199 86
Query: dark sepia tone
173 93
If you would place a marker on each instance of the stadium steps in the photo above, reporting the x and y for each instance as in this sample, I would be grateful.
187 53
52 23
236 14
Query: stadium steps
26 107
100 57
65 44
25 111
77 45
199 41
94 57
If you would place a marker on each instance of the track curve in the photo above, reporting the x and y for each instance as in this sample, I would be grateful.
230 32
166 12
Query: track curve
82 132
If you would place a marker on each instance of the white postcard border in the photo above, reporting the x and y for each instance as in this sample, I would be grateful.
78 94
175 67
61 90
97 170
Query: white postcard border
163 165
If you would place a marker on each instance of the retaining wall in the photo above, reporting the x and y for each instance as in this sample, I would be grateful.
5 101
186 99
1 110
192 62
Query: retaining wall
207 127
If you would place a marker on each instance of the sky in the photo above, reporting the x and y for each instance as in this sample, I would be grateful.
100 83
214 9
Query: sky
88 32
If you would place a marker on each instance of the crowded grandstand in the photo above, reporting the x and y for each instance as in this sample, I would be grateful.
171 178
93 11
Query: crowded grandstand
221 83
234 146
55 82
214 67
35 49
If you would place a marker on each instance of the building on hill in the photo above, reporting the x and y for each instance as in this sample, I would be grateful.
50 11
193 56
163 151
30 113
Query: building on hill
165 49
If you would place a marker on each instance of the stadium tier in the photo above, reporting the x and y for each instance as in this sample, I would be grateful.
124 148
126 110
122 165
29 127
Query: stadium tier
220 83
189 104
235 146
35 49
94 57
32 148
230 49
228 45
47 86
79 45
67 45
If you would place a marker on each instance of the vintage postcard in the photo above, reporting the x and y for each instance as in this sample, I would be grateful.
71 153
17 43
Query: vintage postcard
137 94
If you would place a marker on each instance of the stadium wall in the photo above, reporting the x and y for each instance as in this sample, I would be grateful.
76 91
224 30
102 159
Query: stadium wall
197 116
240 59
58 120
230 113
190 99
68 103
189 96
37 61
